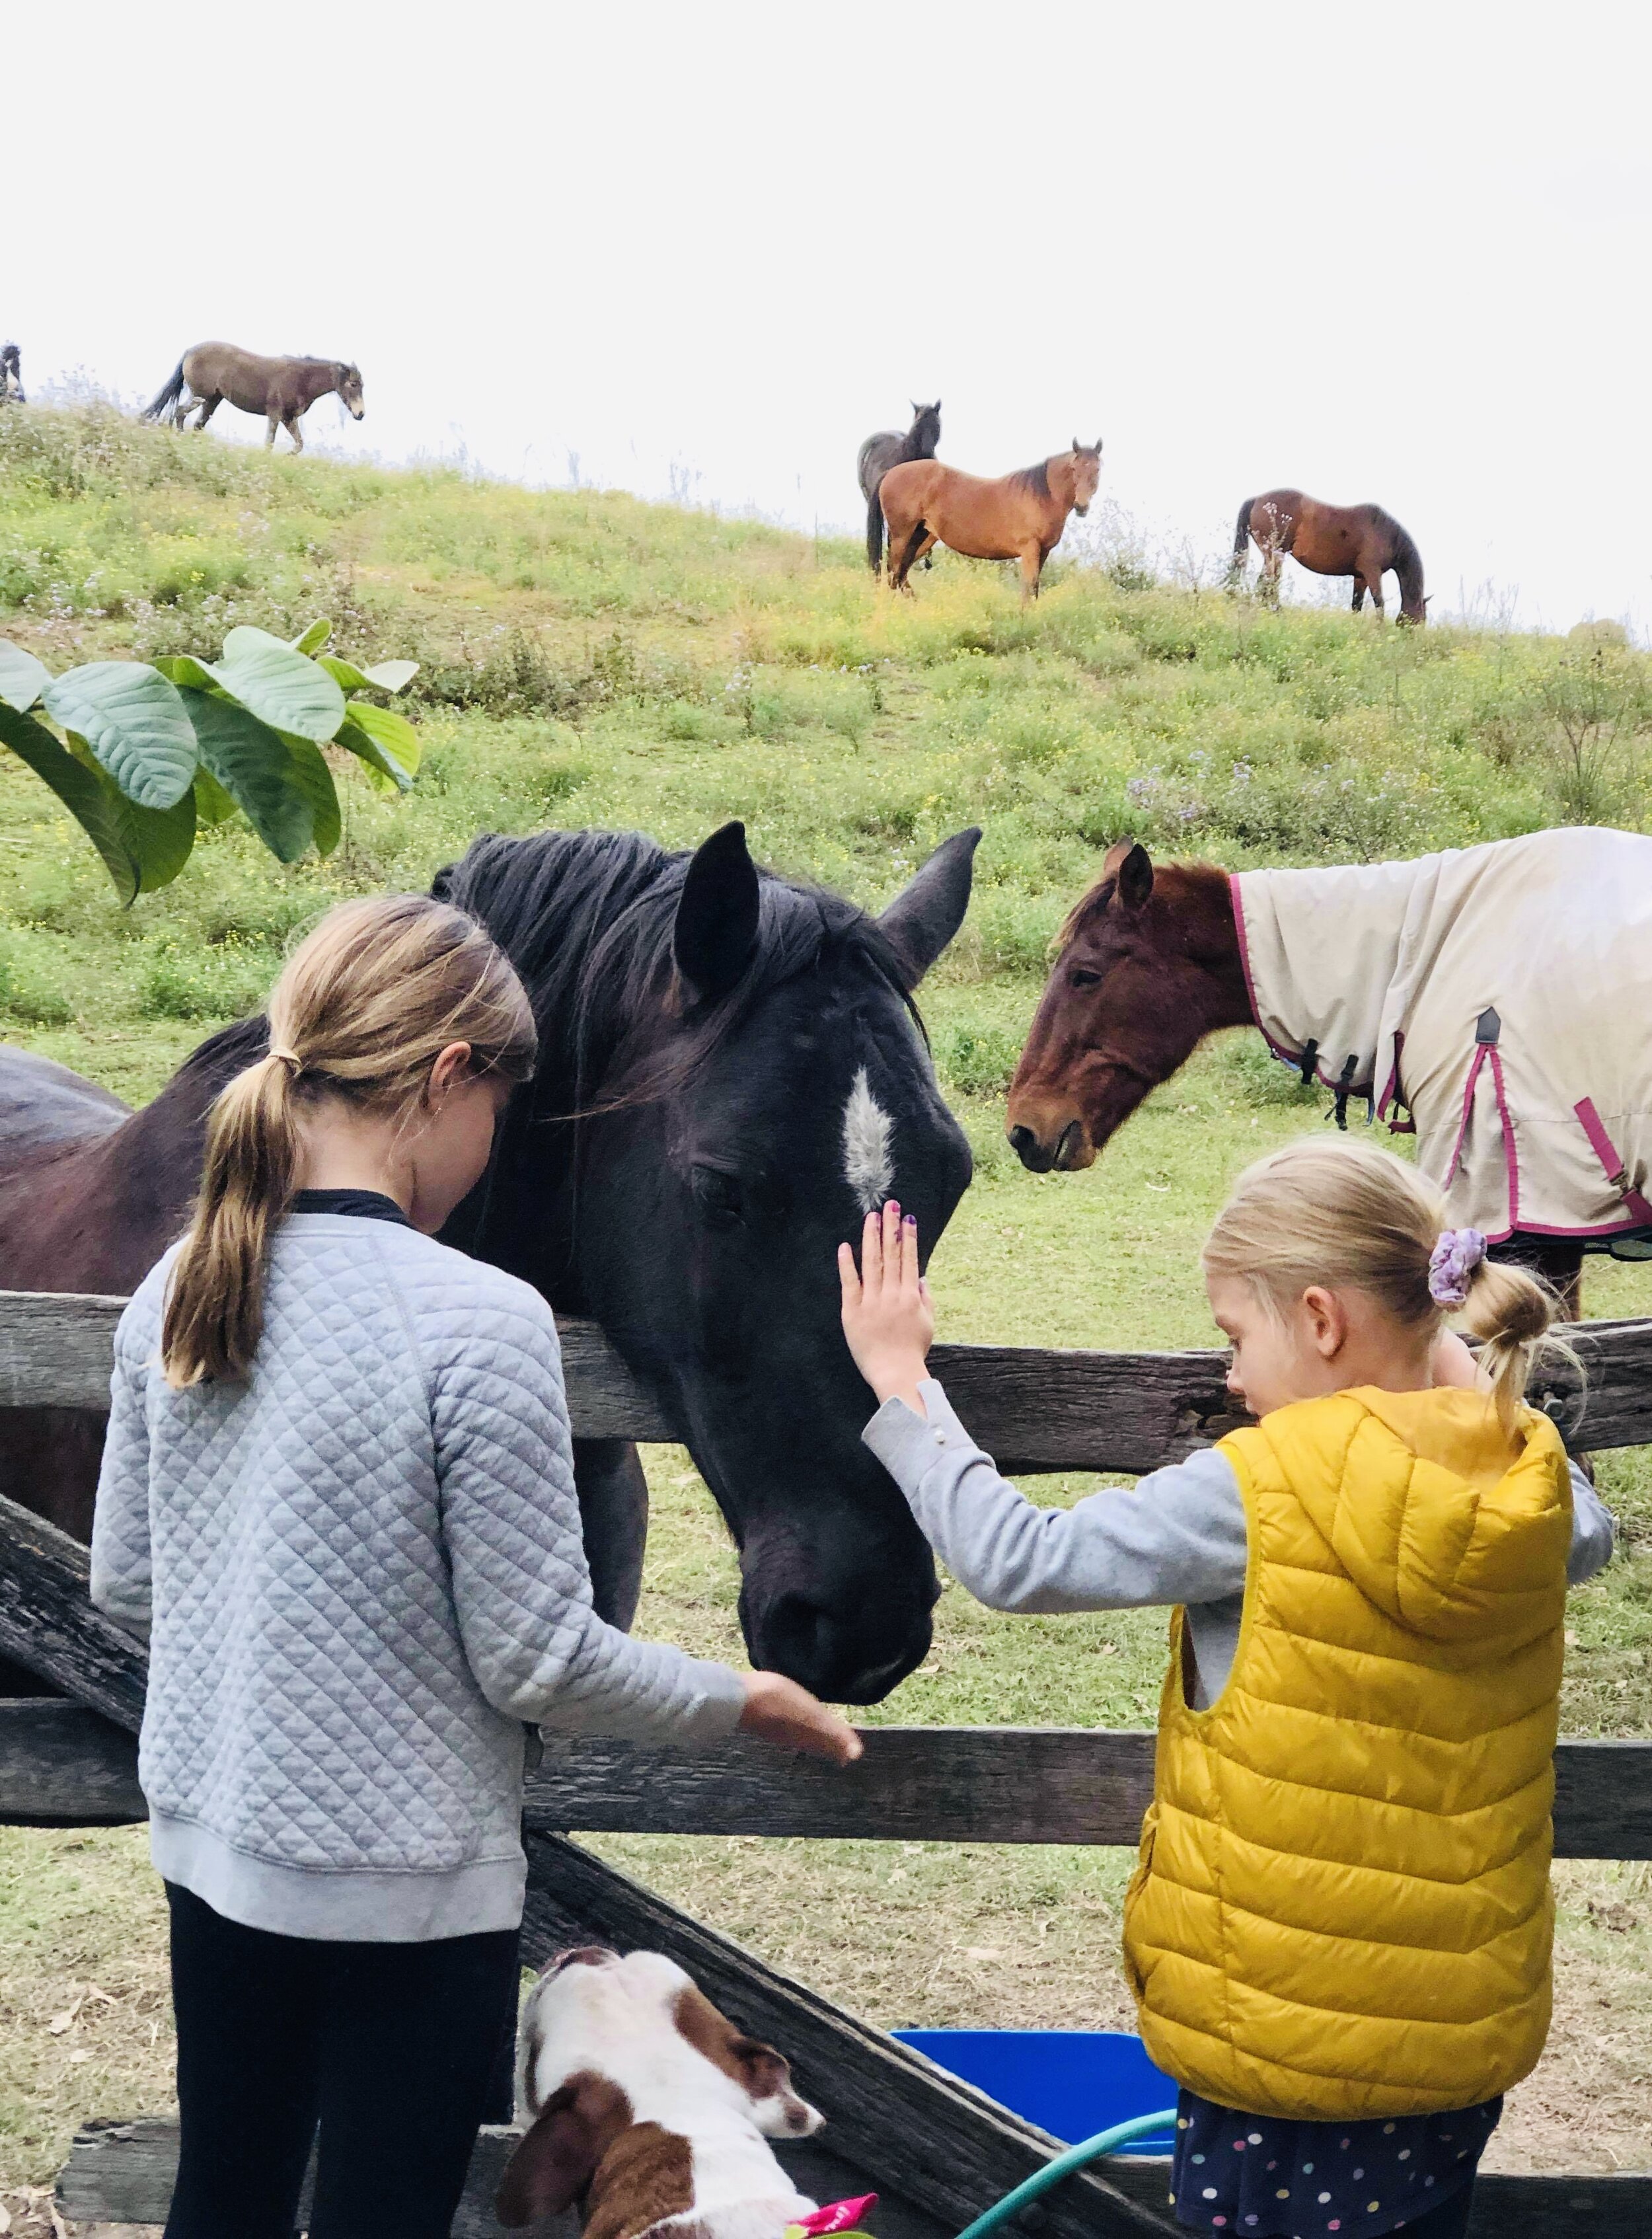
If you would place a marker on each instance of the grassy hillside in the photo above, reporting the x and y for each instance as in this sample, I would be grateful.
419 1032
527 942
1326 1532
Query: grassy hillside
590 660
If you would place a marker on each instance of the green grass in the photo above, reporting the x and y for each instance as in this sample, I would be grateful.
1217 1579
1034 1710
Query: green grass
589 660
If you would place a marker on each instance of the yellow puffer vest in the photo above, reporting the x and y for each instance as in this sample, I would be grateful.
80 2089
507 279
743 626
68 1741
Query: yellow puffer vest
1342 1907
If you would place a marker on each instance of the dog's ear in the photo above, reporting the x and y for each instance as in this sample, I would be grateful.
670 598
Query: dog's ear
767 2078
553 2165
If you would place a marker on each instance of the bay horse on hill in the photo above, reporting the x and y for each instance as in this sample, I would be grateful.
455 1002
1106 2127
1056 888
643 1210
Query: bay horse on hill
277 390
890 449
731 1074
1019 516
1361 540
1399 983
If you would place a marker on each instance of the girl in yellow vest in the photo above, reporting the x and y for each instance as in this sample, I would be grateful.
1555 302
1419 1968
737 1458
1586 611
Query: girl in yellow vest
1339 1932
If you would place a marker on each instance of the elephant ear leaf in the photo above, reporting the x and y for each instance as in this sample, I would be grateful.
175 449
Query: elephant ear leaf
279 685
387 742
142 847
313 639
315 781
134 722
22 679
254 766
383 676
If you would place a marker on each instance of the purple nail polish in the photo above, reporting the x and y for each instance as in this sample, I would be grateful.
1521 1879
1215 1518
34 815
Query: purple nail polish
912 1220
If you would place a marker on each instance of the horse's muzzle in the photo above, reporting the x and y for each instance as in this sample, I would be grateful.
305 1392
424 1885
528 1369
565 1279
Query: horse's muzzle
1063 1153
1081 509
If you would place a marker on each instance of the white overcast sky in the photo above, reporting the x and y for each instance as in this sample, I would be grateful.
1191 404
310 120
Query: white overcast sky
1396 252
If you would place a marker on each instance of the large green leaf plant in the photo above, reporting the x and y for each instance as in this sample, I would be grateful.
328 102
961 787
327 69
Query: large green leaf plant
143 753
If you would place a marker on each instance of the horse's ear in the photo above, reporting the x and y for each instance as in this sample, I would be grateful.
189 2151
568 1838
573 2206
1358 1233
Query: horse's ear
929 909
1131 868
1077 446
716 928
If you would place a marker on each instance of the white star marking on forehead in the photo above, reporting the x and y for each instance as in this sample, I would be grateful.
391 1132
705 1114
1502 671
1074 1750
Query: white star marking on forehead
866 1164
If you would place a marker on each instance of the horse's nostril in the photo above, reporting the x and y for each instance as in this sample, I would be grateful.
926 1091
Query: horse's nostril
1030 1150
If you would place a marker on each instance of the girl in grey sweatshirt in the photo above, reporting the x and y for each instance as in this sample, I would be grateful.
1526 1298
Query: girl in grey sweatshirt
337 1495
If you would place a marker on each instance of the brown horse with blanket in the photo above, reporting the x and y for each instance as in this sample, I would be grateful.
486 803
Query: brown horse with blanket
1361 540
280 389
1493 999
1019 516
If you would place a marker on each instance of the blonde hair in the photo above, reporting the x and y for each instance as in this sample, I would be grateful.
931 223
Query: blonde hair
364 1008
1351 1215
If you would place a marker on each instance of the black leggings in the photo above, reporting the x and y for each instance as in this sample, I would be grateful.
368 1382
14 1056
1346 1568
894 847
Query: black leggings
397 2052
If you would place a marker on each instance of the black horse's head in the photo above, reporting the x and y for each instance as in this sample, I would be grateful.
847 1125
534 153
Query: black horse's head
732 1075
924 433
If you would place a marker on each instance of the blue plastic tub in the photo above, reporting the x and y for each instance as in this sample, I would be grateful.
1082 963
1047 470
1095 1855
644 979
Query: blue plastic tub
1071 2082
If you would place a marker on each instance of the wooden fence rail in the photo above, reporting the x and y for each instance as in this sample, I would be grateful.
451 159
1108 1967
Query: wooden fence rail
1034 1409
62 1764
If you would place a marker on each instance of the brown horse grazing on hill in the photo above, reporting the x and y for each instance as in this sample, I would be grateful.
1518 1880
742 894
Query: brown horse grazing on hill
1361 540
1149 963
281 390
1021 516
890 449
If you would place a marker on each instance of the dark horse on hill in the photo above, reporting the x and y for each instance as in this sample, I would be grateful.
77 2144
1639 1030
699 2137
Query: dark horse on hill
1155 958
11 375
277 390
749 1076
1361 540
1019 516
890 449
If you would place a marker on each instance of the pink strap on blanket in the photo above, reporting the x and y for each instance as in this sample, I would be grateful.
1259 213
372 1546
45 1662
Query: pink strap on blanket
837 2216
1601 1143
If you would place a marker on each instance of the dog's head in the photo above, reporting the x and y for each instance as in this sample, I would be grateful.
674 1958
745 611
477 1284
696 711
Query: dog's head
614 2047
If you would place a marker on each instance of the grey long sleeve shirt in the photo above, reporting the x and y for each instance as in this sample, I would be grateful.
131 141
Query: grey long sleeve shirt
1175 1536
361 1571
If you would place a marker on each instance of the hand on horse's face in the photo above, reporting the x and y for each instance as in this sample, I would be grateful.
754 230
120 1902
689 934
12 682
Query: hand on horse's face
887 1317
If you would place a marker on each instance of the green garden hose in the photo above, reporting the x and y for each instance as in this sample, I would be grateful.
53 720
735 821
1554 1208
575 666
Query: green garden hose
1075 2157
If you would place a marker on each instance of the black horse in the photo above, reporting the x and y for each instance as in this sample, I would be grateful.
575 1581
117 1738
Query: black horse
890 449
11 375
732 1072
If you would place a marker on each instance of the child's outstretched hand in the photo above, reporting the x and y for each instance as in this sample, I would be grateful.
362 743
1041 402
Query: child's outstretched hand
887 1317
780 1711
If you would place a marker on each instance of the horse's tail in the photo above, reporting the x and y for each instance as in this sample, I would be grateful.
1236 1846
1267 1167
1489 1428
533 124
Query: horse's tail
1242 530
875 529
169 395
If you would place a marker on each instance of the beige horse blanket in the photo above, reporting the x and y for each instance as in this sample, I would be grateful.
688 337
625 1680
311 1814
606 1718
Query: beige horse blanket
1501 995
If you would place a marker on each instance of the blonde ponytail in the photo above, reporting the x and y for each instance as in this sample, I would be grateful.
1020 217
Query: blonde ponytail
364 1007
1351 1215
1512 1312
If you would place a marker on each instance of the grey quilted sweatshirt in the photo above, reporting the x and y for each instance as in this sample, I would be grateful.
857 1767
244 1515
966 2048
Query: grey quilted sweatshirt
361 1571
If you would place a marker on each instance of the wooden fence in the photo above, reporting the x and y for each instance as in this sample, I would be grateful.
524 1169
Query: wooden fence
937 2151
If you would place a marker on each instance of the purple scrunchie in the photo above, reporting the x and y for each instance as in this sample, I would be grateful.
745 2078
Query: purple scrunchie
1452 1262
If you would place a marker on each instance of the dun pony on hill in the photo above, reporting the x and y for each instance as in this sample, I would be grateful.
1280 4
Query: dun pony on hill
1361 540
1019 516
889 448
281 390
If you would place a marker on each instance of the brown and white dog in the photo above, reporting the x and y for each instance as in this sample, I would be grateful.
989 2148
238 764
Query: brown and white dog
650 2105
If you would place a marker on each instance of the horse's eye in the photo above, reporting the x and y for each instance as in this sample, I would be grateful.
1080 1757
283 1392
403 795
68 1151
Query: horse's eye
1084 979
719 1196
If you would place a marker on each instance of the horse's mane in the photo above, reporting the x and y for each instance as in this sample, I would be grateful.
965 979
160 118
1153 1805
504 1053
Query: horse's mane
1406 561
587 918
1036 479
